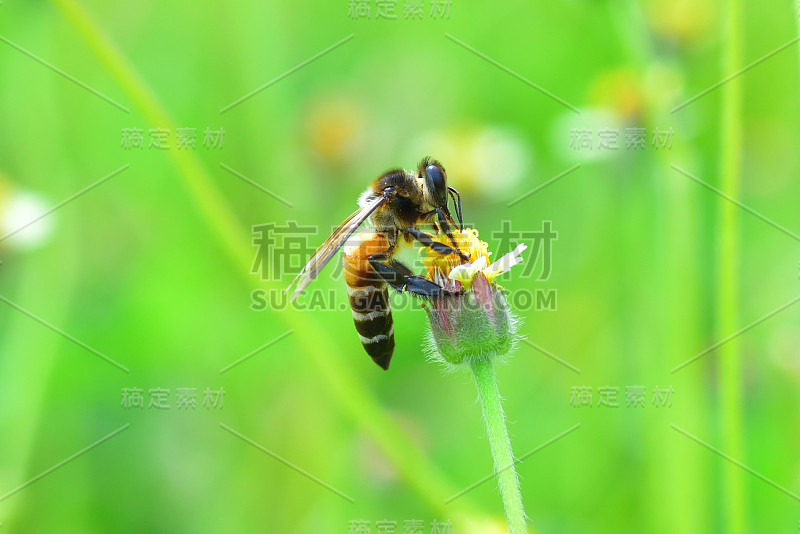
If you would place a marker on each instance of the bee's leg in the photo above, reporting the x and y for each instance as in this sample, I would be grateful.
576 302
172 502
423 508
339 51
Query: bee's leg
443 222
445 228
402 279
441 248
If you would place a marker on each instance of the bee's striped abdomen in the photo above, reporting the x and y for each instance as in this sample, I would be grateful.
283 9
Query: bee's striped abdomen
373 320
369 299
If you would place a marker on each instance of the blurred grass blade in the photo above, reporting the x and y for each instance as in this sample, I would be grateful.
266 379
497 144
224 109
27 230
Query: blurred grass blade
358 402
727 311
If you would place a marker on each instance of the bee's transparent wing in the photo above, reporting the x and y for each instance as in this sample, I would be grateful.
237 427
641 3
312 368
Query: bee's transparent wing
328 249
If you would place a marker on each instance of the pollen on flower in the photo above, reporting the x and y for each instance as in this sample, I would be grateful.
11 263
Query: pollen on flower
471 320
438 266
453 273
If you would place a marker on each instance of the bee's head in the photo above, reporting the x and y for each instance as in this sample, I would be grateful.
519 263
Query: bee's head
436 190
435 181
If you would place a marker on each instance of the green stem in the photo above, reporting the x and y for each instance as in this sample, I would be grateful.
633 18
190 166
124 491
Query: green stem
500 444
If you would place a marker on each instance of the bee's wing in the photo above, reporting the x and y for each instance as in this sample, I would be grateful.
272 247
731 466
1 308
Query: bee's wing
328 249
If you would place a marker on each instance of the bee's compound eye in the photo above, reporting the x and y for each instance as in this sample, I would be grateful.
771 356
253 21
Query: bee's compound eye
434 178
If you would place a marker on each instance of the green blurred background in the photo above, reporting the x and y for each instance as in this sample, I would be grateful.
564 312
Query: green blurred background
152 267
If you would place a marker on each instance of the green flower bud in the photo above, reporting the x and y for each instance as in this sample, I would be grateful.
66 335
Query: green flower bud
473 324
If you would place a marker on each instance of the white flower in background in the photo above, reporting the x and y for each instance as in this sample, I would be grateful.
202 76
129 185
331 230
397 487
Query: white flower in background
19 209
490 161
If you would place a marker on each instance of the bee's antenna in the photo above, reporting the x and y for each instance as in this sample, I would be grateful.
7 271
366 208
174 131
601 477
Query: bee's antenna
457 201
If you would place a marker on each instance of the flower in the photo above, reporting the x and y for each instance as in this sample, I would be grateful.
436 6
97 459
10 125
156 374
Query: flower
438 266
472 326
466 272
19 209
471 319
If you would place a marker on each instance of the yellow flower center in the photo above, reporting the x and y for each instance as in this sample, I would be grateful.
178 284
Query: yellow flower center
439 265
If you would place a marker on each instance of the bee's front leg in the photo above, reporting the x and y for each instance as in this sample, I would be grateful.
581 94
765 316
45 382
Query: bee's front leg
441 248
447 230
401 278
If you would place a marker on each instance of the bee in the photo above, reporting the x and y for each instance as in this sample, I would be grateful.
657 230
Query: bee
396 205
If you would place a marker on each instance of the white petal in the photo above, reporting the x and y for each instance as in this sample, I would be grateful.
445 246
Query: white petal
477 265
461 273
506 262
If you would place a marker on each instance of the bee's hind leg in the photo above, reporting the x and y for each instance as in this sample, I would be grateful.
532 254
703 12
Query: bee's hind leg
402 279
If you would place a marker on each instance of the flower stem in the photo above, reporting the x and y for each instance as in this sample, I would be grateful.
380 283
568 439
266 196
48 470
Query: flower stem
500 444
